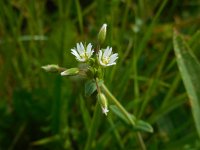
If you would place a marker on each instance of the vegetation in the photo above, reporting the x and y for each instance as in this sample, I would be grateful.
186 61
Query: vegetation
156 77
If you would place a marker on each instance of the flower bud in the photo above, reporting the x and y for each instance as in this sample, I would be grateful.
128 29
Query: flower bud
51 68
102 34
103 102
70 72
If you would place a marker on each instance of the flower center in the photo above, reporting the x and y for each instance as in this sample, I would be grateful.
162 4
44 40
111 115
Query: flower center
106 60
84 55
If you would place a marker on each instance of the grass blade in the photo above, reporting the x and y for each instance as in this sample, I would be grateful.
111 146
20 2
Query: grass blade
189 68
93 128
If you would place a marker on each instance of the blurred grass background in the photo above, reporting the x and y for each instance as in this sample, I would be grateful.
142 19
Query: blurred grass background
45 111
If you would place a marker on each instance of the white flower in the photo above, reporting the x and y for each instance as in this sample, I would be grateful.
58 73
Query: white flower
81 53
106 58
105 110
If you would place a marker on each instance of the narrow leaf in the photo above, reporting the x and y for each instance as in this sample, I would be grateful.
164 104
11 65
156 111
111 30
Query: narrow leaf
85 113
140 124
189 68
117 112
46 140
143 126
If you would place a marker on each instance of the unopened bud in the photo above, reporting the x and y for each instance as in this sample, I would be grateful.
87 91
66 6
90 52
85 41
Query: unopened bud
103 102
70 72
102 34
51 68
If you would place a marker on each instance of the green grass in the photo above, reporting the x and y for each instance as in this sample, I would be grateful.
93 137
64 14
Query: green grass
39 110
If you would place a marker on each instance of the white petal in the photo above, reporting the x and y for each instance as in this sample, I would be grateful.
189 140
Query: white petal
89 50
100 58
111 64
105 54
109 51
113 58
82 47
90 54
80 51
75 53
114 55
105 110
89 47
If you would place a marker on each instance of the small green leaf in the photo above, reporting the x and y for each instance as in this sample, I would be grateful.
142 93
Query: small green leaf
90 87
140 124
144 126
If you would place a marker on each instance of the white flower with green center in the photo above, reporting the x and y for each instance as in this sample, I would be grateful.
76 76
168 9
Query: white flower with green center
106 58
82 53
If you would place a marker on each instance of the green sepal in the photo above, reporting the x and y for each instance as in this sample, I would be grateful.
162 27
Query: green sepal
51 68
102 100
102 34
90 72
70 72
99 73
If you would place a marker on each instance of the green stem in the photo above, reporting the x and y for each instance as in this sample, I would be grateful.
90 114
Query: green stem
98 89
123 110
142 144
93 127
117 103
17 136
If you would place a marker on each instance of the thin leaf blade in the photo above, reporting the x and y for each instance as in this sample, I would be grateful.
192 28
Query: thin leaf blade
140 124
189 68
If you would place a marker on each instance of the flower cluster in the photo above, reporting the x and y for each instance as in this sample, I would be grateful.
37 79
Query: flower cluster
105 56
96 60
